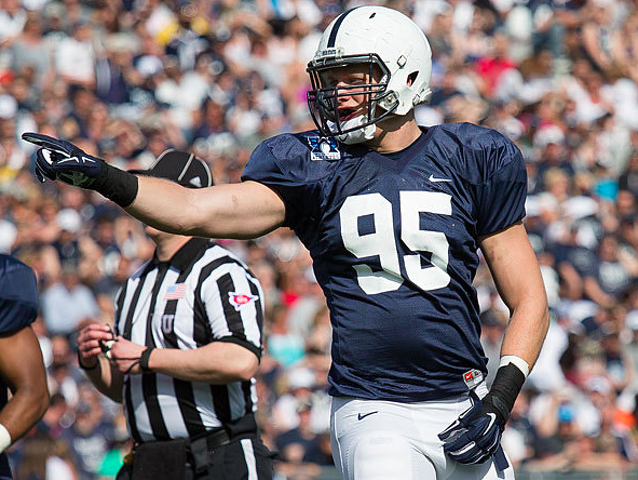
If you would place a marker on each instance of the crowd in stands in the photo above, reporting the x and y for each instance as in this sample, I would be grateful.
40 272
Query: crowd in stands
127 79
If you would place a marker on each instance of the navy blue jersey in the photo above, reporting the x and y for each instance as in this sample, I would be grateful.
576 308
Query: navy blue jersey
18 294
394 244
18 308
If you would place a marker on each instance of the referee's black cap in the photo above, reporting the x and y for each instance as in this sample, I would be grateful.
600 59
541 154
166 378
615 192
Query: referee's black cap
181 167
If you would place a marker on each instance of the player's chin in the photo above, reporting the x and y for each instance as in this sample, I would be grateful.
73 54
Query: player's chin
346 114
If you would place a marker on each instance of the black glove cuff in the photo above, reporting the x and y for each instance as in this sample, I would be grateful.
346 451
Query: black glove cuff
506 386
116 185
144 358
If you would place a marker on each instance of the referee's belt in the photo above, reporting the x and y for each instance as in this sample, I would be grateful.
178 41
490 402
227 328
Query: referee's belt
199 449
152 460
216 439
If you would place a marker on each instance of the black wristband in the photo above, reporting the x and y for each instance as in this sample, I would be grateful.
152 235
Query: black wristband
146 354
85 367
116 185
506 386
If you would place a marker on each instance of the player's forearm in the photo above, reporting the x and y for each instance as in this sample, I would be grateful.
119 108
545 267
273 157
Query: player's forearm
519 281
217 363
26 407
238 211
527 329
106 380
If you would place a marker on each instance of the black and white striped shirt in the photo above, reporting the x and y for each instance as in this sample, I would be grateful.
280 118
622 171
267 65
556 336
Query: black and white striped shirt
203 294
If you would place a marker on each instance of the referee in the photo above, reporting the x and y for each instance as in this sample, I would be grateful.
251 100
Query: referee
186 345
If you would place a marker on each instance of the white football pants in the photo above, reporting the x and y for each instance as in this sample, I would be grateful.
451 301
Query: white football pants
381 440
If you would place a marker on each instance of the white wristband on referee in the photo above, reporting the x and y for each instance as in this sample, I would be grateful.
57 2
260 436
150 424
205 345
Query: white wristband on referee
5 438
522 365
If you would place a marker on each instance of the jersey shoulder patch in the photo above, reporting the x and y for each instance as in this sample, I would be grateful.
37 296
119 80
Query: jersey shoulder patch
238 299
293 159
323 148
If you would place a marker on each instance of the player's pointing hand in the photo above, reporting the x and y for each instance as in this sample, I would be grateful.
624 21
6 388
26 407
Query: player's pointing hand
61 160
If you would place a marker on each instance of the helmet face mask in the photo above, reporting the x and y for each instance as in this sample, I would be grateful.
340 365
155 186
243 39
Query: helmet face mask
381 43
323 99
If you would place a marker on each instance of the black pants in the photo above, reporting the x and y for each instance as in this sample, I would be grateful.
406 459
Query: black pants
241 459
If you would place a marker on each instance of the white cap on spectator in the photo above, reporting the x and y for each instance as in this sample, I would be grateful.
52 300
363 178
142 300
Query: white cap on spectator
122 42
547 202
603 3
69 220
8 106
532 206
631 321
8 234
599 384
301 378
548 134
149 65
580 207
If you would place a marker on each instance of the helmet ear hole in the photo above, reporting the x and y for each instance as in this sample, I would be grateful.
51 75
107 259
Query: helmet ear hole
411 78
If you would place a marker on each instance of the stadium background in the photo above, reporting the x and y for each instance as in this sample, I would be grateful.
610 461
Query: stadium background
126 79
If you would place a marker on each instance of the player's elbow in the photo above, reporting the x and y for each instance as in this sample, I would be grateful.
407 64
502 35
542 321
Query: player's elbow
194 218
246 367
43 403
35 401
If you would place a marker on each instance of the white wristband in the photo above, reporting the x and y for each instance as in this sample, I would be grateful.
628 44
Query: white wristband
522 365
5 438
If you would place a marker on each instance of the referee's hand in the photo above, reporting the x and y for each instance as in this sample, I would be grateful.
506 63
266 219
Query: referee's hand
90 341
125 355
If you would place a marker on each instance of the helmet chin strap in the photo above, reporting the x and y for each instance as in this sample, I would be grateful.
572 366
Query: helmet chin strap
359 135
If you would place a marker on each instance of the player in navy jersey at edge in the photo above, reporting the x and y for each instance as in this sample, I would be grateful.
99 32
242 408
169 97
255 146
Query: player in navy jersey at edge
393 215
21 366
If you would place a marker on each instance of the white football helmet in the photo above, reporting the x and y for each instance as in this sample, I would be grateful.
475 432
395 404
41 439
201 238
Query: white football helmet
386 41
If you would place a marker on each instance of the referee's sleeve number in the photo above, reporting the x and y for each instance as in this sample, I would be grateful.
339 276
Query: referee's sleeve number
382 243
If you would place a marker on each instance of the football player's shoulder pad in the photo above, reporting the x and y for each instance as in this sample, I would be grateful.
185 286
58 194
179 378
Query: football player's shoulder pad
482 151
18 294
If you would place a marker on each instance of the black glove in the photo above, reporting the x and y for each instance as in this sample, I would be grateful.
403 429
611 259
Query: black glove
61 160
476 435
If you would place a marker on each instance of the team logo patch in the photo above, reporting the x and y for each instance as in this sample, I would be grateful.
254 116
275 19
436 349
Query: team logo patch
324 148
238 300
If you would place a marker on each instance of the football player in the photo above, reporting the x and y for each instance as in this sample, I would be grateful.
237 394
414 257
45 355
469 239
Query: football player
393 215
21 366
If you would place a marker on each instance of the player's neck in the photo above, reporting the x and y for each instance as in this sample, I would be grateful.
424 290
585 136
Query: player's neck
395 134
168 245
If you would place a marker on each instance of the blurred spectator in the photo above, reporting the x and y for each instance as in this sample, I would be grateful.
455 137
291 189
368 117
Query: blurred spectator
89 436
55 419
45 458
607 281
617 363
75 56
300 444
67 302
286 347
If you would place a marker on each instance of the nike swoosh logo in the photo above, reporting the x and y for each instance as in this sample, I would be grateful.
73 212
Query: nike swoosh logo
364 415
433 179
70 159
77 160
